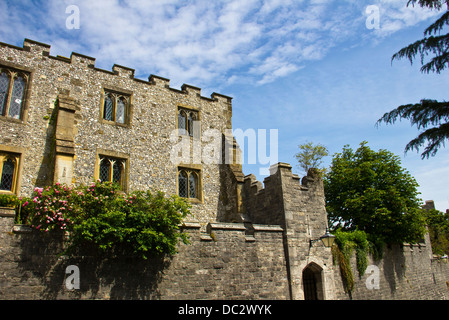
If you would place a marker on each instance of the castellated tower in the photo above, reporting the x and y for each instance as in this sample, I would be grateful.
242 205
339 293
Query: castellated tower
65 120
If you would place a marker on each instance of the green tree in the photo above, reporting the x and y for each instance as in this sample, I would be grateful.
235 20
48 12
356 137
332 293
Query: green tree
429 115
438 225
310 156
370 191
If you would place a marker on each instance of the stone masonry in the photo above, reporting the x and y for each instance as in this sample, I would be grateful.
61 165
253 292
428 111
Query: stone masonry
248 240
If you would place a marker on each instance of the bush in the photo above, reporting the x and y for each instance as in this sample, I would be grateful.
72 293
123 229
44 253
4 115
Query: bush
8 200
101 216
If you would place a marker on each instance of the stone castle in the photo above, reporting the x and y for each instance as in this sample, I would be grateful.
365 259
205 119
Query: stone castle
64 120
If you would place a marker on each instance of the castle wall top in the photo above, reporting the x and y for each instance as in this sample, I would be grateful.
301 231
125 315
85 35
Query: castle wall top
43 49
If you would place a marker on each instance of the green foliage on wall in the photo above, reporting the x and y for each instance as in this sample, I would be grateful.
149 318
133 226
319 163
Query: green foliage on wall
438 226
8 200
102 217
346 242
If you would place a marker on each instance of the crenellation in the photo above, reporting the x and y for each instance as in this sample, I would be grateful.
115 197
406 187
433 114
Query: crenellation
124 72
248 240
81 59
191 90
35 47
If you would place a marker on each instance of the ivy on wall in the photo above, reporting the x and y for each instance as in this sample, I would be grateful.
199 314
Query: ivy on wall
346 242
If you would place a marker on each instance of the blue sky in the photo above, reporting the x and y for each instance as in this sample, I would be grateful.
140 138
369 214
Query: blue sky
311 69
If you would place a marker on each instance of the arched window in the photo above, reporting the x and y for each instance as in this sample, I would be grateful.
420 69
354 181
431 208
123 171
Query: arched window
112 170
186 121
7 178
117 169
12 92
9 166
182 184
189 183
182 120
193 181
108 109
4 88
18 90
116 107
191 119
120 114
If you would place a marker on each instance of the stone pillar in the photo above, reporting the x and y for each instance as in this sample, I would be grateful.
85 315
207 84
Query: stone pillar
65 145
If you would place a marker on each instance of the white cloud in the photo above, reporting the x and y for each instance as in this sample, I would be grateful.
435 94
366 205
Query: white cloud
202 41
395 15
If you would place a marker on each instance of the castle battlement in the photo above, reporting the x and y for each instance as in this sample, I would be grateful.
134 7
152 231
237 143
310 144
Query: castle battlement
76 59
69 122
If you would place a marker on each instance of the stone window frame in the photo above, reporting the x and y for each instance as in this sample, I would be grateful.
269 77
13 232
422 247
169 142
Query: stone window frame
190 127
16 155
197 171
113 156
14 70
118 94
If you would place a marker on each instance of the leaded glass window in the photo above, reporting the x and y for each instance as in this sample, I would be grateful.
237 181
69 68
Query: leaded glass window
112 170
117 171
192 185
7 177
8 171
18 91
182 119
116 107
13 86
187 120
105 168
4 88
183 185
188 183
108 108
120 116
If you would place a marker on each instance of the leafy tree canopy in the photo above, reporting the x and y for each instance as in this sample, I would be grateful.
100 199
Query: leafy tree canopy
370 191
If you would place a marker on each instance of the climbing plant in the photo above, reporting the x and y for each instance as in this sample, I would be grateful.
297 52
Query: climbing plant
102 217
346 242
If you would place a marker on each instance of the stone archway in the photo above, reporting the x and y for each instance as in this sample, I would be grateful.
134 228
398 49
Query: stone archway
312 282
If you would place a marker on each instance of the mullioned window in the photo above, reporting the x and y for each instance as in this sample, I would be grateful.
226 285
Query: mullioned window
13 85
9 167
115 107
189 183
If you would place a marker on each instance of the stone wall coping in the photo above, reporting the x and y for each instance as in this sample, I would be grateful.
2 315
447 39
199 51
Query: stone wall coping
20 228
268 228
190 225
7 212
226 226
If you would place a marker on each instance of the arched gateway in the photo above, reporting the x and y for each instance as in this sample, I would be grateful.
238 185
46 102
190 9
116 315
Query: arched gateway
312 282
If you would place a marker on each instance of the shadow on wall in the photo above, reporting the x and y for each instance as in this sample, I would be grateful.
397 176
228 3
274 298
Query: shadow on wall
394 266
101 277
